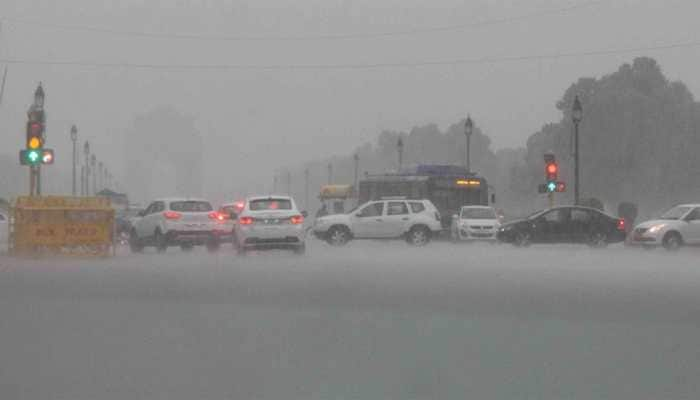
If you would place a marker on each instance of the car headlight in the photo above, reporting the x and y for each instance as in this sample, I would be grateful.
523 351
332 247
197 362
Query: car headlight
656 228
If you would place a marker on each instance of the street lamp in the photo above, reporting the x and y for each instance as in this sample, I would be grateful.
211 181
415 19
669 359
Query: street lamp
330 173
100 176
576 117
86 177
399 147
39 97
74 138
468 128
93 162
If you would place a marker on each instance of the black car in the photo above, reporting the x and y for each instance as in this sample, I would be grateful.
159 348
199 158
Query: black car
569 224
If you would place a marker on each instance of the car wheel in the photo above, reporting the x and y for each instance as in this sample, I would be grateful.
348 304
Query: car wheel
135 244
598 239
418 236
186 247
522 239
338 236
672 241
300 250
160 243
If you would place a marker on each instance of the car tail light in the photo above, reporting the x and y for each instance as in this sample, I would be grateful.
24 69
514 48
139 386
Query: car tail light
245 220
217 216
172 215
297 219
621 226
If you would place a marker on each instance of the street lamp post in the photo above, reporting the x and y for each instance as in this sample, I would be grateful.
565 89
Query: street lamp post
93 163
468 128
576 117
100 176
86 166
399 147
74 139
330 173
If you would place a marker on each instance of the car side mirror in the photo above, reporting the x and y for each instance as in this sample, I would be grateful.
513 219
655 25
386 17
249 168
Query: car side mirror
141 213
358 215
304 214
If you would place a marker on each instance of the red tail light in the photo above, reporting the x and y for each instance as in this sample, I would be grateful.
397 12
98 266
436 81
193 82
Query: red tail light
172 215
621 226
217 216
297 219
245 220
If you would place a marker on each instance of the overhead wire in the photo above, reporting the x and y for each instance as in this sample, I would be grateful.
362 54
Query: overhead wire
341 36
351 66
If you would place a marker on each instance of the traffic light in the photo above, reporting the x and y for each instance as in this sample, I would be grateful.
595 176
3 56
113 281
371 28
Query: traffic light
35 135
551 168
551 174
36 157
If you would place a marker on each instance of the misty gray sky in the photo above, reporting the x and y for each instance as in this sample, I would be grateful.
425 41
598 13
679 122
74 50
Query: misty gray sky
255 120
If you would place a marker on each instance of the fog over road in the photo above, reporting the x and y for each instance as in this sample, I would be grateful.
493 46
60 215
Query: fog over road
372 320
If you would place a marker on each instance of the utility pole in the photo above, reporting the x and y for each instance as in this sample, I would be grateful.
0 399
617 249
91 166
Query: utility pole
82 180
576 117
274 183
330 173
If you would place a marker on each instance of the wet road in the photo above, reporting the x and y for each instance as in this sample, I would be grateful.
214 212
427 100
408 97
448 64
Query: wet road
369 321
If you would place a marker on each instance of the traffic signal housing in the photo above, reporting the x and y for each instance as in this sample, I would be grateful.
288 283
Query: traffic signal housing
33 157
35 135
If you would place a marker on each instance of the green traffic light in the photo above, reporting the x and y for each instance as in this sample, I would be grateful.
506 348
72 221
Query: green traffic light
33 156
551 186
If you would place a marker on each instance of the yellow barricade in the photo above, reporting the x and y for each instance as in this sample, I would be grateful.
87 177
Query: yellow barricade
62 225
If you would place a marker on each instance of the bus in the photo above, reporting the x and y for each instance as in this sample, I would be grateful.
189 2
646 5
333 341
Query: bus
449 187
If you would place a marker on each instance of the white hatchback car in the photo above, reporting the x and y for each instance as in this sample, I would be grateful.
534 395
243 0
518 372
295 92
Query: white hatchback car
676 227
270 222
475 223
180 222
414 220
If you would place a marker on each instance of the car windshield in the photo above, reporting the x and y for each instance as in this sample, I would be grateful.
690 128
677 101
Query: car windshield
478 213
191 206
676 212
270 204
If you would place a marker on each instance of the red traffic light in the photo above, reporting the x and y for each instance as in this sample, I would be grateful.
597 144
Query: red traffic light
561 187
551 171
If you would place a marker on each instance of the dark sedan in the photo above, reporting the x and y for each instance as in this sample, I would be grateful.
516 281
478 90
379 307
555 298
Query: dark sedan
564 225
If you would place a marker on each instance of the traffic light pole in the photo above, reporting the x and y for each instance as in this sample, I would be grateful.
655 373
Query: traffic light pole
550 197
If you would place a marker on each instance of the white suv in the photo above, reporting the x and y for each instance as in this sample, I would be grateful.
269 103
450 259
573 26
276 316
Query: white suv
414 220
177 221
269 222
676 227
